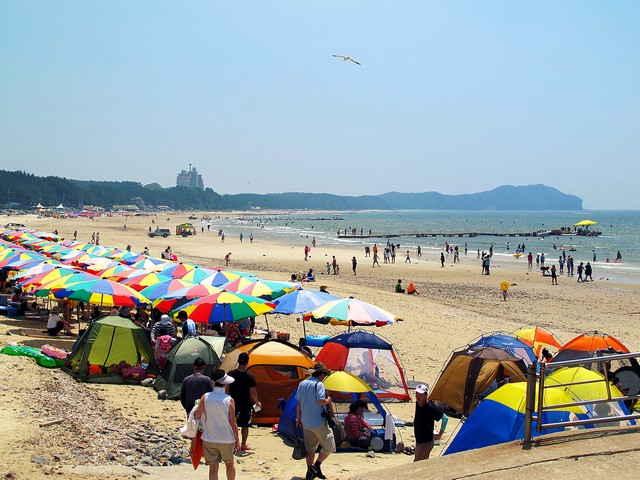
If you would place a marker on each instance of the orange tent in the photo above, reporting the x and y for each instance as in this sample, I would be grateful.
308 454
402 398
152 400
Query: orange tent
278 367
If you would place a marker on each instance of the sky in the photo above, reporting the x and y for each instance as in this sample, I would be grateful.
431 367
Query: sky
452 97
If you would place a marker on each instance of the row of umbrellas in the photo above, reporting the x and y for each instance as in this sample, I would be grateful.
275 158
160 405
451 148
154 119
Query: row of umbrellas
208 296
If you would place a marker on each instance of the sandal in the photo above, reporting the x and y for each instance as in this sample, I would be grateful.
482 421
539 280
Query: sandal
410 450
246 448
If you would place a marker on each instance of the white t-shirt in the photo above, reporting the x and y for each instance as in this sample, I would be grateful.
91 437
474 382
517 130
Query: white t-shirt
53 320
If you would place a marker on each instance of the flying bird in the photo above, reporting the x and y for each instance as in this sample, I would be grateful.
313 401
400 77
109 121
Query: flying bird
347 59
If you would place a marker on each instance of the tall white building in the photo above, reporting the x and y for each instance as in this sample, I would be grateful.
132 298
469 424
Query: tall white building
190 179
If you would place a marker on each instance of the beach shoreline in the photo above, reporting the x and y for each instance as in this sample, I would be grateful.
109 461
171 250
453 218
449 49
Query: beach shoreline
456 304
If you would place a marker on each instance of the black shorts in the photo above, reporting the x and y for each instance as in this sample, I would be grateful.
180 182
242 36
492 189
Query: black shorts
55 330
243 417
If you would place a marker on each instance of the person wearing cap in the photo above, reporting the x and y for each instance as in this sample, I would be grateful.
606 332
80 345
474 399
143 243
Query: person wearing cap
427 413
244 394
195 385
162 327
55 324
310 416
358 431
217 412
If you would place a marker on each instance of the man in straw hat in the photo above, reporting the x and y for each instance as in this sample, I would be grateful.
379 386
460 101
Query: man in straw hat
220 435
427 413
310 416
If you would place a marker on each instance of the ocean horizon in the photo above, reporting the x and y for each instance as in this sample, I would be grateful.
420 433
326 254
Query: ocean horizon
619 233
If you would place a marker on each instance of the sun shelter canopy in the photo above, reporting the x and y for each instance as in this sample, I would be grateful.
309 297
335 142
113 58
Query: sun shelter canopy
370 358
585 223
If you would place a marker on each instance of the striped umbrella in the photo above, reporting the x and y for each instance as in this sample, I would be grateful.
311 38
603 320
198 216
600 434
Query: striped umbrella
100 292
224 307
177 298
351 311
157 290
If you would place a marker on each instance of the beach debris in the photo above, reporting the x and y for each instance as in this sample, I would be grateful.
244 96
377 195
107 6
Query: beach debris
52 422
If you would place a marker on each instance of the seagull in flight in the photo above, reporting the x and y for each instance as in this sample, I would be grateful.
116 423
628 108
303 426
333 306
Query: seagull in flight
347 59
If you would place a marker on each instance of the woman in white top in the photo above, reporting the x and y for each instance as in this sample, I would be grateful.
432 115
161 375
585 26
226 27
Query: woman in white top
220 435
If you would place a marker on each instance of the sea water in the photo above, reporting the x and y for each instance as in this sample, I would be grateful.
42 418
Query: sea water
620 232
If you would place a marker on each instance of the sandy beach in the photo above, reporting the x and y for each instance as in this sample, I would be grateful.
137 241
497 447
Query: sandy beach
456 304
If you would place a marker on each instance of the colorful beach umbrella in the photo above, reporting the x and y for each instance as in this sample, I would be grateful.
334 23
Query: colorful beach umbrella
119 271
236 285
176 270
224 307
140 282
157 290
350 311
69 279
175 299
219 278
100 292
269 290
301 301
197 274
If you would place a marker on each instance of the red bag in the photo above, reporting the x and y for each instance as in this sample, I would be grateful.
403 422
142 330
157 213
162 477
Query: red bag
196 450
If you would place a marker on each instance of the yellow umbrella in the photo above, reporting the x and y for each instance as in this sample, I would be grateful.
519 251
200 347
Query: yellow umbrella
585 223
341 381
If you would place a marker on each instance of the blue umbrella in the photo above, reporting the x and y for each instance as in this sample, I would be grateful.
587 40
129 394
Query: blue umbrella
301 301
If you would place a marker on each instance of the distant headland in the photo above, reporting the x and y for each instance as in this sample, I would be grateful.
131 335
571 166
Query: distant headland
25 191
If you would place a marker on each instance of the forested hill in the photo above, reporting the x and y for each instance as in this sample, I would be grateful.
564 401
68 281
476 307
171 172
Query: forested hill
24 190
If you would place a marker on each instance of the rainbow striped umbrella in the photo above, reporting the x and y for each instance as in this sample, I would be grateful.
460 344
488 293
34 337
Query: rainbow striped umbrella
236 285
224 307
269 290
220 277
177 270
176 298
157 290
100 292
197 274
349 311
140 282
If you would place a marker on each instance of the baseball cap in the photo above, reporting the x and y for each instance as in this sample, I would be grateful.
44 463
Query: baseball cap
422 388
243 358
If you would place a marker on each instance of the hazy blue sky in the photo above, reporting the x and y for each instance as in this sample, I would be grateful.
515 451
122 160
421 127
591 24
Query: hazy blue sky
451 96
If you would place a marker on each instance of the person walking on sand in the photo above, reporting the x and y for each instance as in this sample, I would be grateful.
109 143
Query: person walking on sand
407 257
244 394
554 275
588 272
220 434
334 265
441 259
306 252
375 259
354 265
195 385
227 259
580 270
530 260
310 416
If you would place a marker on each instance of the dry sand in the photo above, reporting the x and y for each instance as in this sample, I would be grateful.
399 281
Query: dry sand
456 304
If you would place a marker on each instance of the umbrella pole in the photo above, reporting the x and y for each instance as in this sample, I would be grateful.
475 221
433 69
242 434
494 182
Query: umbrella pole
266 319
304 328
